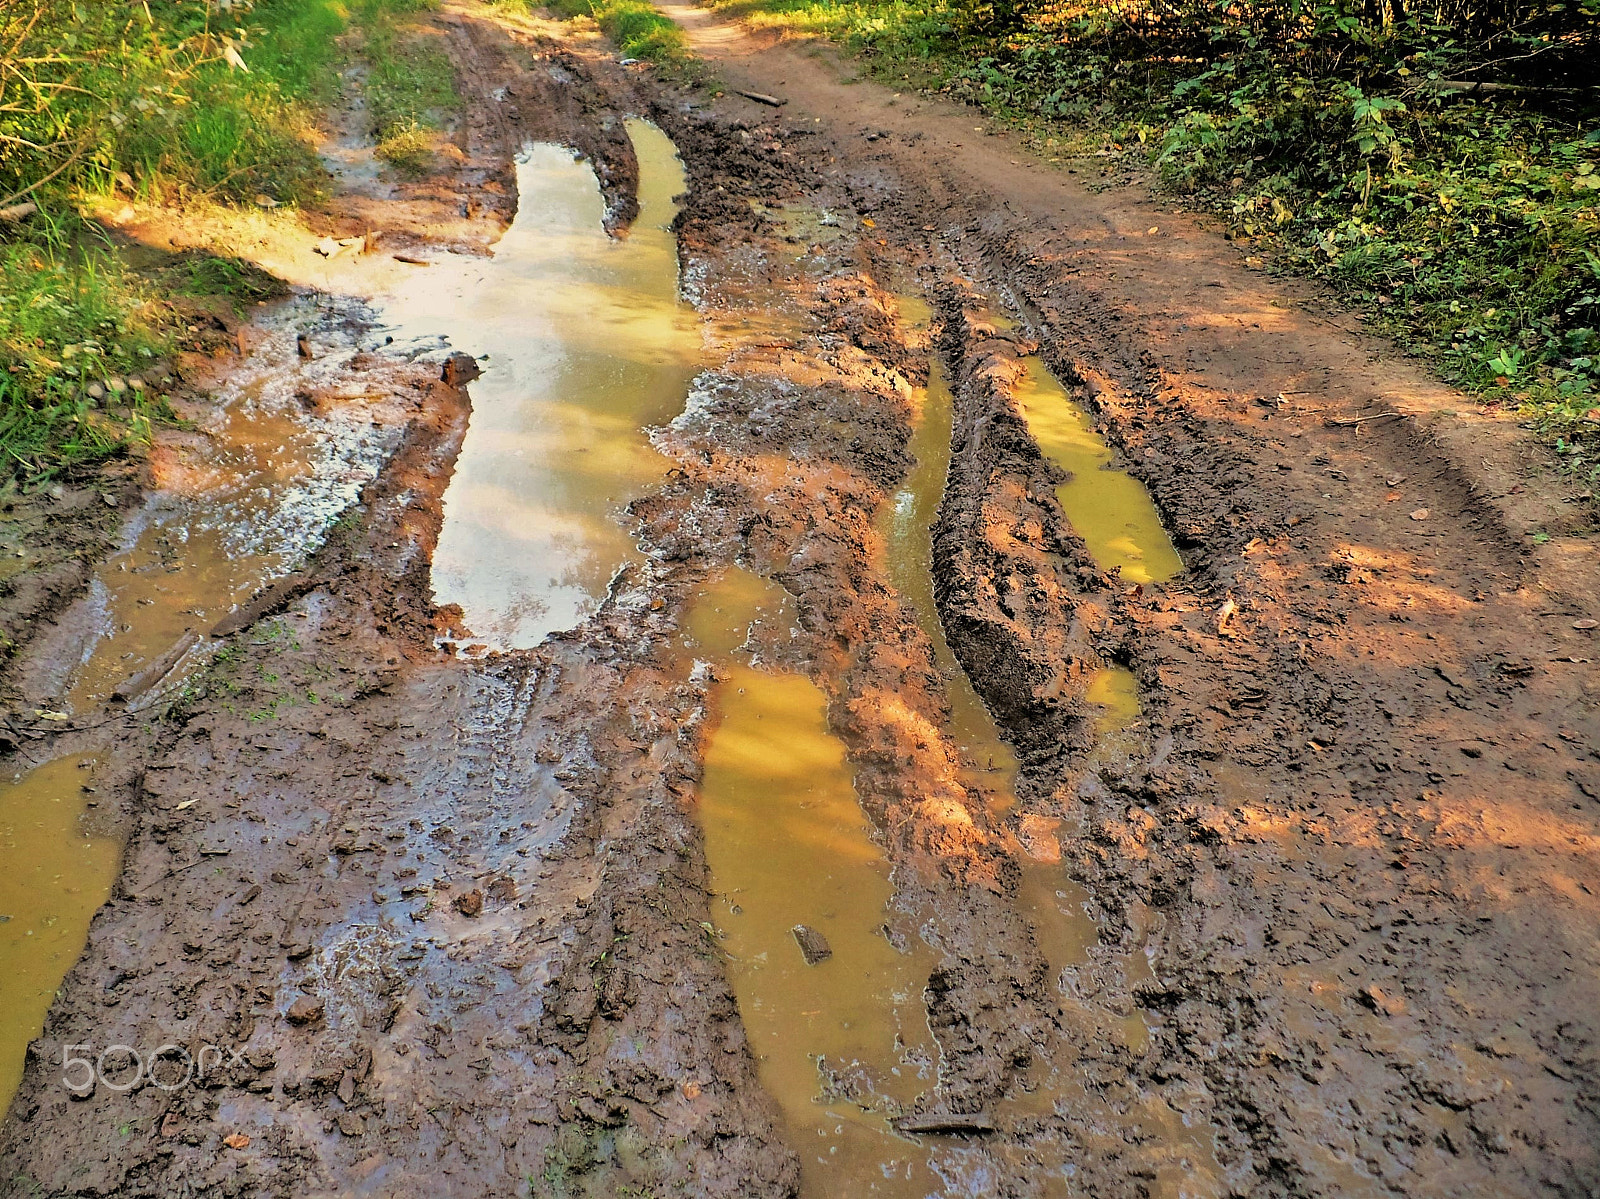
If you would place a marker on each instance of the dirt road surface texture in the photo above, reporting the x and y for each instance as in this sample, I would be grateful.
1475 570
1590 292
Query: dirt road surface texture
725 883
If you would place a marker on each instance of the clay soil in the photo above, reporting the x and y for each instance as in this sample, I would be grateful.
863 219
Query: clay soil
453 921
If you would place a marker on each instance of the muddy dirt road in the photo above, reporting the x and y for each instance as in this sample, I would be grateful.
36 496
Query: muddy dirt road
836 661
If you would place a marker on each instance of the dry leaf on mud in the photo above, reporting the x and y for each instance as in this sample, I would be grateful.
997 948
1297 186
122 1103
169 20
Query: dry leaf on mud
236 1141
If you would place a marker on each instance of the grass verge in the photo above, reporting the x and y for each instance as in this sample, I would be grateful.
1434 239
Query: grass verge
1466 224
635 27
185 102
409 84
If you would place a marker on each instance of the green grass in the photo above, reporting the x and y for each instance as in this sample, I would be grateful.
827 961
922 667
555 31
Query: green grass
182 102
409 85
1468 228
635 27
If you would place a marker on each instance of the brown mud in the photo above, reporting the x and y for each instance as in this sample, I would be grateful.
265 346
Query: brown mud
1316 915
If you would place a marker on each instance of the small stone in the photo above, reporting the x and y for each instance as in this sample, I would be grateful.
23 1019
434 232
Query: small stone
1379 1000
305 1010
470 903
351 1124
1420 514
95 391
812 944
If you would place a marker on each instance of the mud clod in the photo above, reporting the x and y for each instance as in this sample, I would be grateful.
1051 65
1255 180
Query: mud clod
305 1010
813 945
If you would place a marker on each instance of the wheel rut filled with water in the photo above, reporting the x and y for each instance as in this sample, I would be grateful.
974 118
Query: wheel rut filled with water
689 658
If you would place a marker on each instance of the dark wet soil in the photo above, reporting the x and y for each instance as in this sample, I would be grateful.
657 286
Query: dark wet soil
448 925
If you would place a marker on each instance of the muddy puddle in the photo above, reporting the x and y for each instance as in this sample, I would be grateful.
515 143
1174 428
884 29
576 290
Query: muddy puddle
54 875
583 341
238 503
842 1042
1108 508
1116 517
907 530
1052 902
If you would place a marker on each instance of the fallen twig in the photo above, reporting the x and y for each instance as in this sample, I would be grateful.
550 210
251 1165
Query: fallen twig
1345 422
946 1123
761 98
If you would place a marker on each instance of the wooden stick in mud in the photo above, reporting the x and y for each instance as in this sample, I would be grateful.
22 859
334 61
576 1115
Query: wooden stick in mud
761 98
132 688
1345 422
946 1123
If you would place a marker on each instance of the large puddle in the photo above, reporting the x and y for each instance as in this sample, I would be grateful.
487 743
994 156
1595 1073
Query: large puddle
236 508
583 341
842 1043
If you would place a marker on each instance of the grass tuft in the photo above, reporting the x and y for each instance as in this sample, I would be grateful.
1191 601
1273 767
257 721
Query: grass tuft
635 27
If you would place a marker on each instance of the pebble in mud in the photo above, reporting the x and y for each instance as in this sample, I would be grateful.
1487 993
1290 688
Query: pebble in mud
812 944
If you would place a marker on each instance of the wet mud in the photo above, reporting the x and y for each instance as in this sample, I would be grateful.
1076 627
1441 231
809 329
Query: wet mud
976 746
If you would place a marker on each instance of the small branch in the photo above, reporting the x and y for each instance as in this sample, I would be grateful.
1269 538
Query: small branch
1470 87
40 183
1346 422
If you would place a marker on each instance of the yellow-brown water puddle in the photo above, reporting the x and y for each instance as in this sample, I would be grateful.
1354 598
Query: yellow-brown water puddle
843 1044
234 509
1108 508
1115 516
53 878
584 341
1121 525
907 529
